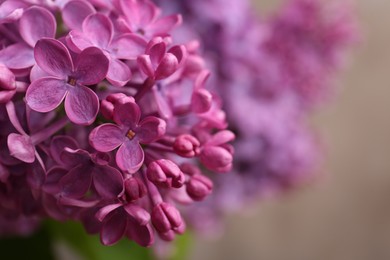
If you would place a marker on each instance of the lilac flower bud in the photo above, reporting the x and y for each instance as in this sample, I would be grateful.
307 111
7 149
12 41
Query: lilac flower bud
201 101
198 187
108 104
186 145
134 188
166 217
165 173
216 158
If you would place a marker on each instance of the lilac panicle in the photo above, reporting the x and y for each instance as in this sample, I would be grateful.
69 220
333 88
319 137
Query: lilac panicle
100 108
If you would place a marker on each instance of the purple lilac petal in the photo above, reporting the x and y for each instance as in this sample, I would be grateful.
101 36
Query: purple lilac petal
165 24
139 214
35 24
53 57
137 12
167 66
118 73
17 56
98 29
45 94
128 46
107 137
81 105
107 181
75 12
143 235
127 114
130 156
103 212
11 11
157 51
113 229
58 153
21 147
150 129
77 42
145 64
77 181
91 66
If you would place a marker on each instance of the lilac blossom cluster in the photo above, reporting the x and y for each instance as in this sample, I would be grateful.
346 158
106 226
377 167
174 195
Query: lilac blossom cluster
105 119
271 73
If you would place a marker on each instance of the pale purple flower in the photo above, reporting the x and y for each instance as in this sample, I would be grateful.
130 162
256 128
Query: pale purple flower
128 134
142 17
98 30
158 62
67 80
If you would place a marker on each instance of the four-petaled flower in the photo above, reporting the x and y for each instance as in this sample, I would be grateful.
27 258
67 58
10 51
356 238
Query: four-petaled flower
127 134
67 80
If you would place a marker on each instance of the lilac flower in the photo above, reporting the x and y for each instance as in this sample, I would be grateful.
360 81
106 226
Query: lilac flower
127 134
85 169
158 63
98 31
35 23
142 17
129 219
66 81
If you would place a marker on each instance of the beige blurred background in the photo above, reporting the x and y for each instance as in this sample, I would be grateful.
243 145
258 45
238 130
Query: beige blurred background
346 214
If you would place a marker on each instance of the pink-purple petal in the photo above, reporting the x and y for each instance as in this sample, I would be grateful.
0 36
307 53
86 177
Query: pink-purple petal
76 182
130 156
98 29
91 66
17 56
53 57
150 129
127 114
81 105
21 147
163 25
128 46
75 12
45 94
145 64
103 212
36 23
167 66
106 137
77 41
118 73
113 229
107 181
142 235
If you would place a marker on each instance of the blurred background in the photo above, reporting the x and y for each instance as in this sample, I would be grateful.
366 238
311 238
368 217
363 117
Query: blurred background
344 213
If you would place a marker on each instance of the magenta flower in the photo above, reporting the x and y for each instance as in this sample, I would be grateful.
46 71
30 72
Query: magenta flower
67 80
98 31
142 17
125 219
35 23
127 134
158 62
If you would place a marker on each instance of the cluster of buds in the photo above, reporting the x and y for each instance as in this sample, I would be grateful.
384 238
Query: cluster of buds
104 119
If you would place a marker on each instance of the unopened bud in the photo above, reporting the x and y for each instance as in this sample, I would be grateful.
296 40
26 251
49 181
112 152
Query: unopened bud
165 173
134 188
198 187
216 158
186 146
166 217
